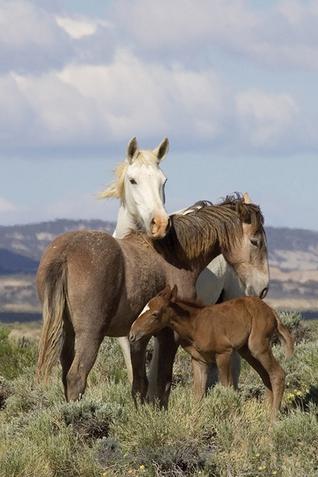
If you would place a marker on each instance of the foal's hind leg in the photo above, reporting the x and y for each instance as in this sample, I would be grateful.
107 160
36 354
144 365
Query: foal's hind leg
262 372
86 349
276 375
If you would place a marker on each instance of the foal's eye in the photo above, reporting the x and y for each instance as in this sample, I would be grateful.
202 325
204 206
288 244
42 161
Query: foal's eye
132 181
254 242
155 314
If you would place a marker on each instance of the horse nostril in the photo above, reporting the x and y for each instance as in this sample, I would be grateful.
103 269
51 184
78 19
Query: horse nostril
264 293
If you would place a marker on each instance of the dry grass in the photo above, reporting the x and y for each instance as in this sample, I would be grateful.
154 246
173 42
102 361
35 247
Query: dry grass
227 434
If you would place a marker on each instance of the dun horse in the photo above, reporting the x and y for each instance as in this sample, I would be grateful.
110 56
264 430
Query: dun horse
93 285
217 282
211 333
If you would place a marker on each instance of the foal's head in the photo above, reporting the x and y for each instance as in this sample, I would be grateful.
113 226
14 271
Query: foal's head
154 317
140 187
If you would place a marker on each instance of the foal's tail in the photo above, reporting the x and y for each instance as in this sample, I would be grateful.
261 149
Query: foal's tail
54 303
285 337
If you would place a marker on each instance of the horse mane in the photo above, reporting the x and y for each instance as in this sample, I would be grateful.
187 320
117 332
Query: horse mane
116 189
203 224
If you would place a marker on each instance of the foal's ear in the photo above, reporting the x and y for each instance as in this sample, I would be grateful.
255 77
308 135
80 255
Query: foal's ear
166 291
132 148
162 149
174 294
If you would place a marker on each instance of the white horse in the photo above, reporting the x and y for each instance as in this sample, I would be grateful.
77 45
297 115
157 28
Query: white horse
139 186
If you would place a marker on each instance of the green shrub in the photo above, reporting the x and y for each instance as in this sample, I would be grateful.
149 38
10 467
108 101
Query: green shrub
14 358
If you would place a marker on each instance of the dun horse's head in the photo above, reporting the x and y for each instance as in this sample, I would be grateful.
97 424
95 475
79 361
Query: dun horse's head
154 316
249 256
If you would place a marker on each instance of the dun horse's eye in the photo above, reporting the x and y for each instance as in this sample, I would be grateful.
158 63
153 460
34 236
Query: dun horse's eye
132 181
254 242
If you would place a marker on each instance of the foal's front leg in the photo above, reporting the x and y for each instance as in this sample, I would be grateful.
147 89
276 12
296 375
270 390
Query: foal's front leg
223 362
199 375
138 361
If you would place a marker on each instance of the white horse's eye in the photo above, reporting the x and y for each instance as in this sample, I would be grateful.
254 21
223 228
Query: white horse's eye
132 181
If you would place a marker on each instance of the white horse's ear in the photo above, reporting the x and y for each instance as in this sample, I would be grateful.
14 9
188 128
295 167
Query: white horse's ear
162 149
132 148
246 198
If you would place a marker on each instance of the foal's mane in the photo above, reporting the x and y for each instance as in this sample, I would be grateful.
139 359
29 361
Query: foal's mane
203 224
116 189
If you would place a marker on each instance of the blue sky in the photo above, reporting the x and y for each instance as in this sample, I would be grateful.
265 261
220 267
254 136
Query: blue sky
232 83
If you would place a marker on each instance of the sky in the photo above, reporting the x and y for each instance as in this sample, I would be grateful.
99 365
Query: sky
231 83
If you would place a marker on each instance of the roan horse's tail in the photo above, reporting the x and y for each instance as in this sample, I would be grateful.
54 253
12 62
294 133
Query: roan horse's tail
54 303
285 336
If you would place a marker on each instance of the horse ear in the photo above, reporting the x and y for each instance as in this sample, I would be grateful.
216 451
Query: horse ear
246 198
174 294
162 149
132 148
165 291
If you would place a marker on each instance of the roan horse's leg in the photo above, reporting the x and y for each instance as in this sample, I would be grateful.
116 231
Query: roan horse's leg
86 348
161 377
125 347
138 361
67 353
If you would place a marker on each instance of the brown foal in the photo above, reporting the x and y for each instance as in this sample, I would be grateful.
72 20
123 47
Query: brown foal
211 333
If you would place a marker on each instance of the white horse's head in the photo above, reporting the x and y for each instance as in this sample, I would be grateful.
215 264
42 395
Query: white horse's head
140 187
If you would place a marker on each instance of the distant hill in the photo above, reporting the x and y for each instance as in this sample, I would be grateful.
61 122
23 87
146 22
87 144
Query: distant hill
293 255
11 263
30 240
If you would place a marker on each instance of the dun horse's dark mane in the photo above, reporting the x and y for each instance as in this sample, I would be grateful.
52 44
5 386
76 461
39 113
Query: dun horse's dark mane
204 224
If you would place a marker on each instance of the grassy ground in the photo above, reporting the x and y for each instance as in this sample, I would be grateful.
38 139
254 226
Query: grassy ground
227 434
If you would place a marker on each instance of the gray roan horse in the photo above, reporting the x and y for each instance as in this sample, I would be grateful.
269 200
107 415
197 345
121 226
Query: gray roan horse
93 285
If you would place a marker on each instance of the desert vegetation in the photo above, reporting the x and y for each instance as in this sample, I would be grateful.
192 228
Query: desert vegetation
227 434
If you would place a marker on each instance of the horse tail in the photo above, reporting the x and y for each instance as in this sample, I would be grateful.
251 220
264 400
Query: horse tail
285 337
54 304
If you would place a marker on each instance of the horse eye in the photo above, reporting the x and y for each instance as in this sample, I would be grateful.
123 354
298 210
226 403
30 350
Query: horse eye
254 242
132 181
155 314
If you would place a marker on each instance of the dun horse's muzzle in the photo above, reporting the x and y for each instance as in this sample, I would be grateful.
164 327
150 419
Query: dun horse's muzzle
132 337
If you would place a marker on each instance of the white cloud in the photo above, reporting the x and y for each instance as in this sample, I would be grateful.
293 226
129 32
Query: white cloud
79 27
30 39
265 118
89 82
6 206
